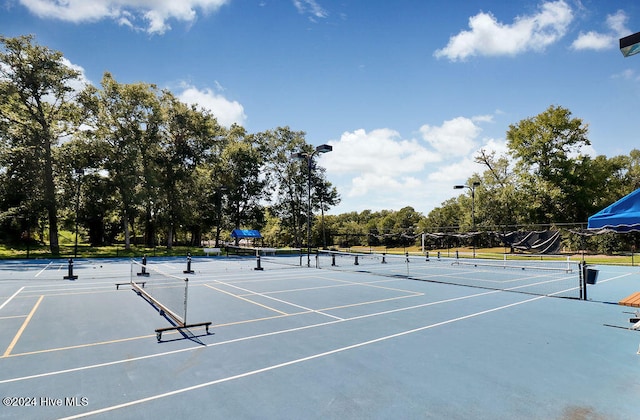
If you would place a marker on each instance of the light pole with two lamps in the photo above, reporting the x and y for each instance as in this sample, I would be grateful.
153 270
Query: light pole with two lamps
472 188
323 148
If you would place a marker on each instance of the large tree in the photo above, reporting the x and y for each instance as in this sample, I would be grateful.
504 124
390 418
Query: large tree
125 120
545 148
37 110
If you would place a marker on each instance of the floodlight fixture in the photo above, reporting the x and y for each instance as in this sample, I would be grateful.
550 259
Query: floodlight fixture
324 148
630 45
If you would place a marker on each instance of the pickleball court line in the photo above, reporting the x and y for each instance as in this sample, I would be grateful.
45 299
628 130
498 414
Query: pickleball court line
248 338
296 361
279 300
11 297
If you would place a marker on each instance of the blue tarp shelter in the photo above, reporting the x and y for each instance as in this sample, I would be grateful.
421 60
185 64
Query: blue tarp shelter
245 233
621 216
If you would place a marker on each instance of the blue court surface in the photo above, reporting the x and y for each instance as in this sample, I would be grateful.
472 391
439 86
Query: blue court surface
291 342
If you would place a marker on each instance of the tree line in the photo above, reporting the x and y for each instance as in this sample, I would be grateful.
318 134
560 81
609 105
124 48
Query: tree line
545 180
130 162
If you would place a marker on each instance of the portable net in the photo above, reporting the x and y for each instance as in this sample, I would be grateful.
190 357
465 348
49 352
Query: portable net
545 278
270 258
168 293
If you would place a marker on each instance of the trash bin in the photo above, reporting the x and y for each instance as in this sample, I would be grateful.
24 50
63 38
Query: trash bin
592 276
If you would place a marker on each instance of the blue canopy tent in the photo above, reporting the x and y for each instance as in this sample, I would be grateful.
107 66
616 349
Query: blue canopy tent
245 233
622 216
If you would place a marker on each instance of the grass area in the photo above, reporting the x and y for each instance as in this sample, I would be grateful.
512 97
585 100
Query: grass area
499 252
67 250
86 251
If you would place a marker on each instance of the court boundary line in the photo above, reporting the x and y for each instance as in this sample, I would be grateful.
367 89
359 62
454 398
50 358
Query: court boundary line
11 297
22 328
244 299
295 361
223 325
279 300
247 338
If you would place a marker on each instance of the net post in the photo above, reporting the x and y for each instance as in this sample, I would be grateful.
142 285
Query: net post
186 294
188 270
582 276
356 261
143 271
456 254
258 266
70 275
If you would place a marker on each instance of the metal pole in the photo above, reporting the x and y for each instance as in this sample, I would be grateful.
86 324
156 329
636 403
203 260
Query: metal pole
79 172
309 158
473 216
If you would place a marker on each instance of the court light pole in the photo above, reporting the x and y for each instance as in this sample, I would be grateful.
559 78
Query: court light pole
630 45
323 148
79 175
472 188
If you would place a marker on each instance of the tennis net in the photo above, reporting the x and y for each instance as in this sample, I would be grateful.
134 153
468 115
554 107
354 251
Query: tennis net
168 293
271 258
545 278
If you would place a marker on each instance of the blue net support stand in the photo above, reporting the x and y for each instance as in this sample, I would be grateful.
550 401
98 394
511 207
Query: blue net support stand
70 275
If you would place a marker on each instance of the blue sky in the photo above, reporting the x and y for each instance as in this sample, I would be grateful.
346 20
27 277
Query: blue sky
407 92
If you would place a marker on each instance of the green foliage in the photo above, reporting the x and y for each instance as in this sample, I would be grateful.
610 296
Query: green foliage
144 168
131 163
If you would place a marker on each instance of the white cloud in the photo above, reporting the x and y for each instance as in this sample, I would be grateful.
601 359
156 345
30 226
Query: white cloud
460 170
456 137
310 7
226 112
156 13
377 161
380 152
488 37
593 40
627 74
81 82
385 171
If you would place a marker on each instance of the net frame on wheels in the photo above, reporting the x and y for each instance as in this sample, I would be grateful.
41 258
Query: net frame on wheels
142 289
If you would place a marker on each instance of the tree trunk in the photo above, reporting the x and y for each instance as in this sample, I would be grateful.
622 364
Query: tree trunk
127 235
50 198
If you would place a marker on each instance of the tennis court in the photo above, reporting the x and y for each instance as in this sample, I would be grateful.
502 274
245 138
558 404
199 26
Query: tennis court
290 341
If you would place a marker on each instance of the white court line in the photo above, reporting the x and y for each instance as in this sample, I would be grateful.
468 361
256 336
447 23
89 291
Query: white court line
43 270
12 296
280 300
295 361
253 337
